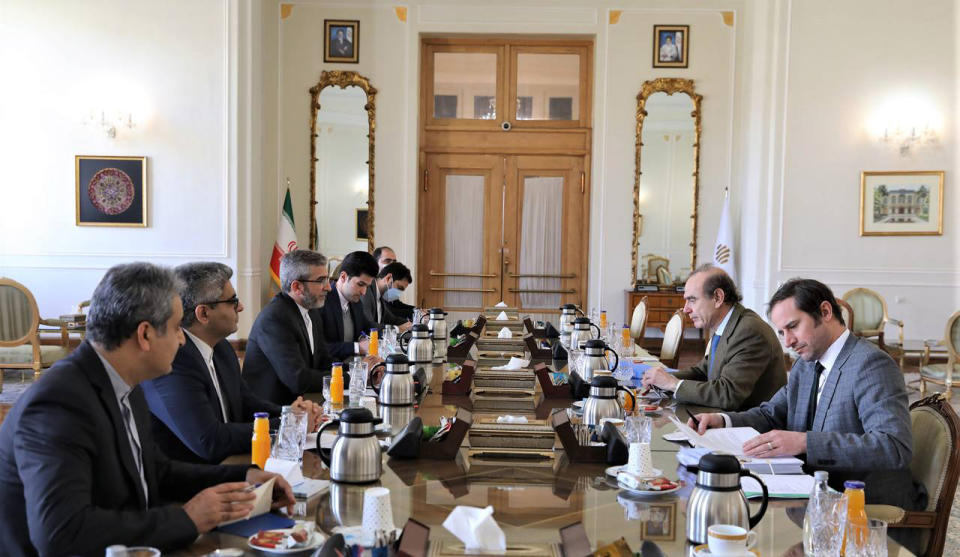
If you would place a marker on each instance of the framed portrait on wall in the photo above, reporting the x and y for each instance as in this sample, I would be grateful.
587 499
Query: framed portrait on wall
671 46
901 203
362 224
111 191
341 41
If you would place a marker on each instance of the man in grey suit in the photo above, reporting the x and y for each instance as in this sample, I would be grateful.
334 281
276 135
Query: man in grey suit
744 366
389 285
844 406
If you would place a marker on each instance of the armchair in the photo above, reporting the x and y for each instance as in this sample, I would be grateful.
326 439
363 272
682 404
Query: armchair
935 464
672 339
872 318
20 322
638 321
847 313
653 265
942 374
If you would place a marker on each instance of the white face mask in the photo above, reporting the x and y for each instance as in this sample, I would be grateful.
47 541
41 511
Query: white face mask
392 294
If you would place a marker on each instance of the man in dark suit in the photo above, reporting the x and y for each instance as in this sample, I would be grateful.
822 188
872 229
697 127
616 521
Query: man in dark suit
844 408
79 470
345 325
389 285
203 410
286 353
384 256
744 366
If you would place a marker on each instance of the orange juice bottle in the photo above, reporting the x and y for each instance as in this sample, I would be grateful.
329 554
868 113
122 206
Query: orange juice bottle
336 384
603 319
627 341
856 512
260 444
374 349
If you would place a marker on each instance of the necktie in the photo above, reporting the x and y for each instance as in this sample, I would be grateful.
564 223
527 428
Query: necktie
812 402
131 428
713 351
216 387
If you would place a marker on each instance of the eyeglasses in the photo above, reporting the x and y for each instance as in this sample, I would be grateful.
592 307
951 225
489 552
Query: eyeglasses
319 280
234 300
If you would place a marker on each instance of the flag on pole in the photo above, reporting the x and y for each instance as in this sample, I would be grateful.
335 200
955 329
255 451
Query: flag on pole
286 237
723 250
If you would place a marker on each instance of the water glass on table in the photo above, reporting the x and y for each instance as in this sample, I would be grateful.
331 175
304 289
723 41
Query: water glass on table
868 540
827 524
327 406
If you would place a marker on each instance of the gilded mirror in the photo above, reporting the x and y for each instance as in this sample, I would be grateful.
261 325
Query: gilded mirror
666 181
342 126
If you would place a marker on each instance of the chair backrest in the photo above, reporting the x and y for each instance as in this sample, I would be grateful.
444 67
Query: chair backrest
952 337
672 335
847 313
663 276
19 315
83 307
654 264
936 461
638 322
869 308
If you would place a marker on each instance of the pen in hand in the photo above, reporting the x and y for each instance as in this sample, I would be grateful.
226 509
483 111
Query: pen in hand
696 422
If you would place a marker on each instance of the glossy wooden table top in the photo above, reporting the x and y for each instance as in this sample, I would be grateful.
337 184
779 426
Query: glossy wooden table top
532 499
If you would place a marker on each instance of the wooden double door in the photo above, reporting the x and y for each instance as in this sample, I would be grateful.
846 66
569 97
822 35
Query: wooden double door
511 228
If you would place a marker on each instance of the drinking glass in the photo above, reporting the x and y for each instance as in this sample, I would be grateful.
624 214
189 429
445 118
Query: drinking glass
576 356
828 520
327 405
867 541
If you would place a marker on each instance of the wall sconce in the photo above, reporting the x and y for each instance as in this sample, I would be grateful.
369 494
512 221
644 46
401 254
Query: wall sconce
906 122
109 125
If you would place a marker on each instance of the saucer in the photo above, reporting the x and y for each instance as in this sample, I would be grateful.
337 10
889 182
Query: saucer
614 470
647 492
704 551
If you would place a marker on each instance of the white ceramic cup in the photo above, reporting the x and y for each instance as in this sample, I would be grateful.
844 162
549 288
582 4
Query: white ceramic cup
377 511
727 539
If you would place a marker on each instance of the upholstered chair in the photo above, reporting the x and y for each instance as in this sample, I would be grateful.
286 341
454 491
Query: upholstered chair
20 320
846 311
870 310
672 339
638 322
653 266
942 374
664 278
936 465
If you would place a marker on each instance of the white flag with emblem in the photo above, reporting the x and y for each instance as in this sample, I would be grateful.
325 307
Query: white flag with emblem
723 250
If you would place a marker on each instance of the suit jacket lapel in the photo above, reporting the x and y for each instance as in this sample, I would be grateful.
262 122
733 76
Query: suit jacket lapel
98 377
229 386
199 363
724 340
830 387
301 326
141 416
803 395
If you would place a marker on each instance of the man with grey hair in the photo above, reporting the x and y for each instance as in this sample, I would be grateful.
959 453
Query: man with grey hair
79 470
203 410
744 365
286 353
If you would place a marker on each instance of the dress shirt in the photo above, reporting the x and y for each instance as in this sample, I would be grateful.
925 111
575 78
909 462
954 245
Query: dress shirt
345 312
718 334
827 360
207 354
122 392
309 324
379 304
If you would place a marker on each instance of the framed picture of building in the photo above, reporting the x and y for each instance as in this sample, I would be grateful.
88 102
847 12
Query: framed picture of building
111 191
901 203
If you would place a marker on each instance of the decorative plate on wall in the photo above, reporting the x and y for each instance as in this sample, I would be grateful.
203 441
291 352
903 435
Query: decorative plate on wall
111 191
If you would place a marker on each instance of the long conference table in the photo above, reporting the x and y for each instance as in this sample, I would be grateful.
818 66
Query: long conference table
532 499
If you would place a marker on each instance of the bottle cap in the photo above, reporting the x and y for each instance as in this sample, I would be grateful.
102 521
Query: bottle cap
853 484
820 475
260 415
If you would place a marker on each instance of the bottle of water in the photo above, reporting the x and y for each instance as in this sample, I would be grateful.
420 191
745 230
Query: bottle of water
292 435
819 486
357 382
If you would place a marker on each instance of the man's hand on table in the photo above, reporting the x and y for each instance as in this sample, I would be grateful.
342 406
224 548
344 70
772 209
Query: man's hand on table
220 503
657 377
707 421
776 443
282 492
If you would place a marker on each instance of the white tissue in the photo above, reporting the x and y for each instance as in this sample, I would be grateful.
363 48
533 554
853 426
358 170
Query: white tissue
514 363
477 529
508 419
289 469
502 316
504 333
500 305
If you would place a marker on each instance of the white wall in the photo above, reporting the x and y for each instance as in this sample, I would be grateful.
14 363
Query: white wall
165 61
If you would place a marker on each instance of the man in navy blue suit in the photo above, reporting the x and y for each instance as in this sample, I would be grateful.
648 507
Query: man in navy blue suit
203 410
345 324
79 470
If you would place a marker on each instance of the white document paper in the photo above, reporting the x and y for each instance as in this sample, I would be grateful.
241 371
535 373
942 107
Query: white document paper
262 503
730 440
289 469
791 486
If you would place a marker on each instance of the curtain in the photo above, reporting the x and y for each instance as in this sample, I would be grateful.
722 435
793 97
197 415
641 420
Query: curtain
541 240
463 239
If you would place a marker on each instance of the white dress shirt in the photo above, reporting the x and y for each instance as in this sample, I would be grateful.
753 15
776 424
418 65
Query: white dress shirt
206 352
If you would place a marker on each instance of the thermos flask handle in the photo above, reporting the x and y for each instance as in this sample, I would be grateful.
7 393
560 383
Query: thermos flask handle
325 453
376 386
633 404
597 328
404 340
755 519
616 358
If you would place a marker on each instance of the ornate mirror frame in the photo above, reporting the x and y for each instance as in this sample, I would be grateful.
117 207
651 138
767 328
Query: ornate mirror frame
668 85
342 79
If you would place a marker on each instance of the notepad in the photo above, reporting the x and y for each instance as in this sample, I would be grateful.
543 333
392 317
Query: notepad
262 502
795 486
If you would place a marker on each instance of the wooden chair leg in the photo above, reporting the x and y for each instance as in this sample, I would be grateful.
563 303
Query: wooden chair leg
923 387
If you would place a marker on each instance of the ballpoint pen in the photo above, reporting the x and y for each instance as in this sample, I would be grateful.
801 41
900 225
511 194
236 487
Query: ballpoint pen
696 422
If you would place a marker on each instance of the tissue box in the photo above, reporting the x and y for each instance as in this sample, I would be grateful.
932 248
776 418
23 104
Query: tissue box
486 433
502 401
512 381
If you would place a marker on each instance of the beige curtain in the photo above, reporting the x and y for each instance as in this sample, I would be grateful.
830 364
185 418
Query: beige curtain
463 239
541 237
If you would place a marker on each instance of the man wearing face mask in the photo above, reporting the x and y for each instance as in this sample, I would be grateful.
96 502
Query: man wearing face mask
392 280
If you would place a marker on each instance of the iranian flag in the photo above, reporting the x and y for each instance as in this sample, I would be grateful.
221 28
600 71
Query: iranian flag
286 237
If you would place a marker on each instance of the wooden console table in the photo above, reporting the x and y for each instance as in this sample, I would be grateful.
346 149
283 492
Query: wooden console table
660 307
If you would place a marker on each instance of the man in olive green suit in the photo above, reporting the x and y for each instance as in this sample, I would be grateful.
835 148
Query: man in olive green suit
744 365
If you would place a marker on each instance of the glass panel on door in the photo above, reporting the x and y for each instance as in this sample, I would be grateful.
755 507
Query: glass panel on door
463 253
548 86
465 85
541 242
